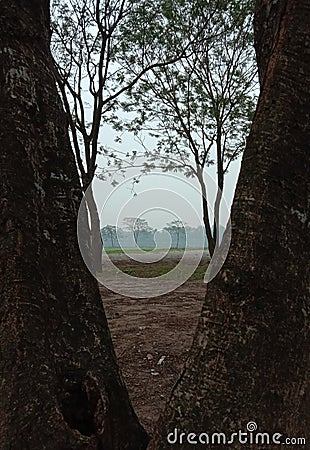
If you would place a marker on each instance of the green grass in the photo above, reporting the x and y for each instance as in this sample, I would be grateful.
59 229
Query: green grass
110 250
157 269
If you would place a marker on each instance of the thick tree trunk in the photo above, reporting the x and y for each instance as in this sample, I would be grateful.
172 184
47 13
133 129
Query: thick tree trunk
60 386
249 358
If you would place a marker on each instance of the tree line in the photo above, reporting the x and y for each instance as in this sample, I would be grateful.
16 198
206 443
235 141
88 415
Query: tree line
137 232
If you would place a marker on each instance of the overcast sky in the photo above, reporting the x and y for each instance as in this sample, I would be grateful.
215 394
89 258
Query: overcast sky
160 197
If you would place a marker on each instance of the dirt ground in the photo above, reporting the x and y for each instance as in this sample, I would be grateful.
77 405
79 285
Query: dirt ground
152 337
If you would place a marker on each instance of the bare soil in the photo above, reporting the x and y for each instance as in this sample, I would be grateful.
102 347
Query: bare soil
152 338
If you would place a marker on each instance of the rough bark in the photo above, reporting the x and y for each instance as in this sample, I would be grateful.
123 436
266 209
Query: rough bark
249 358
268 23
60 386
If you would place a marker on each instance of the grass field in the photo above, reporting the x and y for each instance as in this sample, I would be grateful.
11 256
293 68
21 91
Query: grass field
141 250
171 258
141 270
116 251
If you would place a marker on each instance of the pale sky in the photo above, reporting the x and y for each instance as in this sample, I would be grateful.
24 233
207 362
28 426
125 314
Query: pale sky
161 197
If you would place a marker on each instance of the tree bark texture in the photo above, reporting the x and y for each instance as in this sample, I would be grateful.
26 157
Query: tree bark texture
250 355
60 386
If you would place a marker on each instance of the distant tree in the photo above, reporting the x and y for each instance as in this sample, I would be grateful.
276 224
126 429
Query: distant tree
110 234
136 226
176 229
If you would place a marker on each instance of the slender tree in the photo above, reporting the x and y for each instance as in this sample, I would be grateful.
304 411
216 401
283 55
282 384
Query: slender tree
60 386
200 108
249 358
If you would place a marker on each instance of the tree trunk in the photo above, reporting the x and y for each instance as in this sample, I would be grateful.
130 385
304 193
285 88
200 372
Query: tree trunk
205 212
95 235
112 240
220 186
60 386
136 237
249 358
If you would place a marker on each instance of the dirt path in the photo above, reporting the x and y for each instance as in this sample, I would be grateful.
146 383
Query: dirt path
151 339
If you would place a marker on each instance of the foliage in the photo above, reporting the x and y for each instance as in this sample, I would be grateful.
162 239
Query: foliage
91 41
